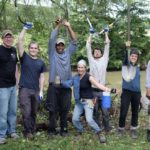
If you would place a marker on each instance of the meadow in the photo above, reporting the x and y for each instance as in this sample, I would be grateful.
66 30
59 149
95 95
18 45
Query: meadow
88 140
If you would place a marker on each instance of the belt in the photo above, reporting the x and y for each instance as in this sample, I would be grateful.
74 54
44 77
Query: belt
85 99
97 90
55 85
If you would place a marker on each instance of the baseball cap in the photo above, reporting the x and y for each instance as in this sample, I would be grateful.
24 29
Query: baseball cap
6 32
60 40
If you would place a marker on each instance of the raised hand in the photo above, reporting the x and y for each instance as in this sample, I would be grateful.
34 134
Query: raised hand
59 21
106 29
91 30
65 23
28 25
128 43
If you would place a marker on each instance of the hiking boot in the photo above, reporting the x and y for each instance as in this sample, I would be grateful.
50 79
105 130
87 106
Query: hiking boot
2 140
14 136
148 135
134 134
121 132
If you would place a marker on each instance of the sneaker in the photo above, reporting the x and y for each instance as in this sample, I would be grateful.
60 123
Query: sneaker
108 129
29 136
102 138
2 140
52 133
64 133
14 136
134 134
148 135
121 132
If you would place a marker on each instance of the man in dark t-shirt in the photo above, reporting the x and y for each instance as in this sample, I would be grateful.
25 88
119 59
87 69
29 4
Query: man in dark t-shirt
31 83
8 98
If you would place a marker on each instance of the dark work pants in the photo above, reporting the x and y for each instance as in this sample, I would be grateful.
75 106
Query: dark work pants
128 97
59 101
28 106
105 111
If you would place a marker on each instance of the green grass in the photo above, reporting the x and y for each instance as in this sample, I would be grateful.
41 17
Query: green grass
87 141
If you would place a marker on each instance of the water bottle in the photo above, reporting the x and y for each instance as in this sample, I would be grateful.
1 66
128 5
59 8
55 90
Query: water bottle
106 100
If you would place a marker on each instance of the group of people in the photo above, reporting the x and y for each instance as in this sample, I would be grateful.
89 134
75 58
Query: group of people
88 88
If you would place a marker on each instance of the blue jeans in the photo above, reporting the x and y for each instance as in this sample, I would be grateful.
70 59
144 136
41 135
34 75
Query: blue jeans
105 111
8 109
78 110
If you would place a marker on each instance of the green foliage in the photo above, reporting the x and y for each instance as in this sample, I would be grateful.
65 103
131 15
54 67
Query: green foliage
101 13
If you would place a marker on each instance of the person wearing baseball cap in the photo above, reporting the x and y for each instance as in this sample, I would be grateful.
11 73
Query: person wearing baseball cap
8 78
58 97
60 40
6 32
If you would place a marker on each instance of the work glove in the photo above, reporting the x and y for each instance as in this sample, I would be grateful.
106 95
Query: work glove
113 90
106 29
91 30
40 98
28 25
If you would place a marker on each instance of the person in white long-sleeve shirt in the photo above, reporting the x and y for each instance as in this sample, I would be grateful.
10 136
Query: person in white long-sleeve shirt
98 63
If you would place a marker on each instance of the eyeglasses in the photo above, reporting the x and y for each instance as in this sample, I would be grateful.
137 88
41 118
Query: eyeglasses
8 37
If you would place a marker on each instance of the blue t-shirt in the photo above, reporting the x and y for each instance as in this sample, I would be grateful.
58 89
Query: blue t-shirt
30 72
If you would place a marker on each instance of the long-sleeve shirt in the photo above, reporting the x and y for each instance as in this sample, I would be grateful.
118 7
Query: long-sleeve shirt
98 66
148 75
60 63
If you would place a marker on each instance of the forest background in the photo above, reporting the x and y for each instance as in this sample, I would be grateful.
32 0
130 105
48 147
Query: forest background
101 13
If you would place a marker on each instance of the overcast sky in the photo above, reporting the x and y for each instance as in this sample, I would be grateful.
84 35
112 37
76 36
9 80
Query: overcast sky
33 2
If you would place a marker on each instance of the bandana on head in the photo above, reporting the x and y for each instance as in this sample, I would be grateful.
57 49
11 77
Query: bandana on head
82 62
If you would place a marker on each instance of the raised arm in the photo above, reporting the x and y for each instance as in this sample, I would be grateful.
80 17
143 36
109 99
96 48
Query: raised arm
127 50
53 37
21 42
70 30
72 47
27 26
107 47
89 49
